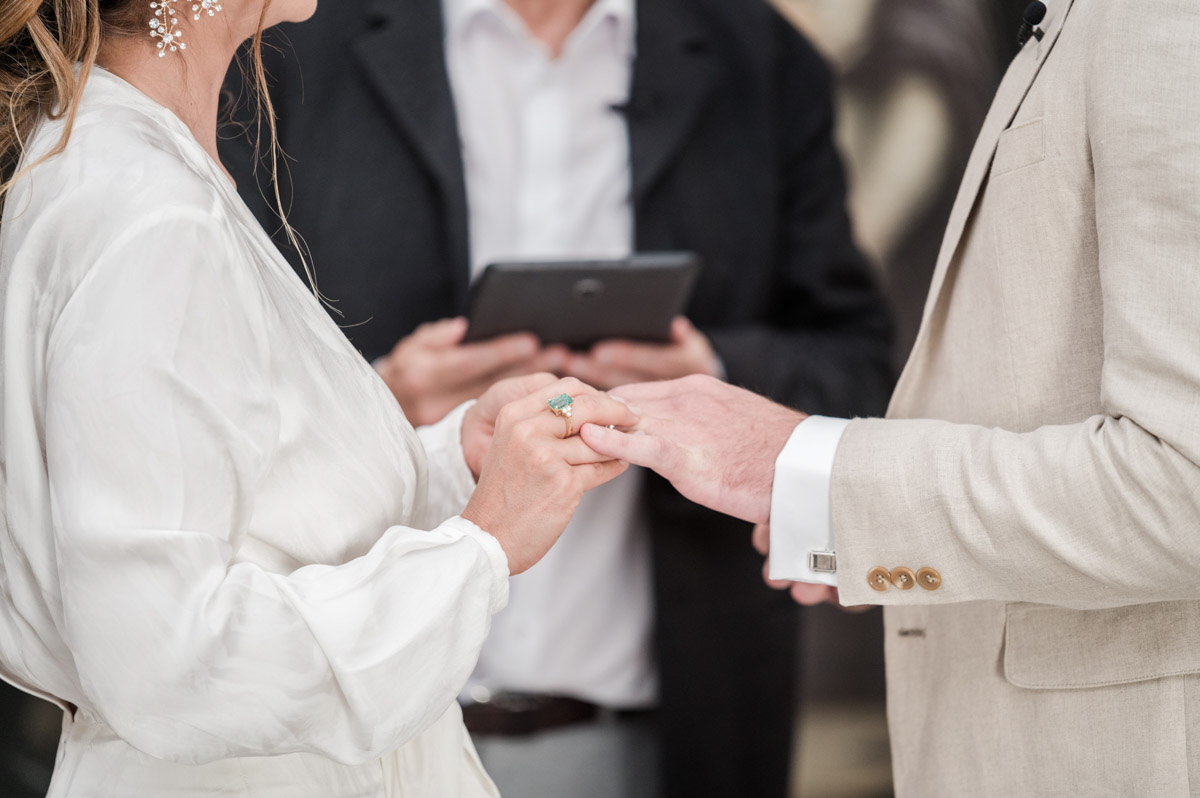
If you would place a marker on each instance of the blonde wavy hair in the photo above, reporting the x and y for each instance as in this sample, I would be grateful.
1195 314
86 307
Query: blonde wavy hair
47 50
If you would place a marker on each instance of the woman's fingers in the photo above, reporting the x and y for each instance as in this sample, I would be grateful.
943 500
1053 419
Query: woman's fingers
595 475
514 389
586 408
536 401
577 453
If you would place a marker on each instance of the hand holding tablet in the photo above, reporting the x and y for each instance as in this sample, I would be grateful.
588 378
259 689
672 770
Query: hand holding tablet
579 303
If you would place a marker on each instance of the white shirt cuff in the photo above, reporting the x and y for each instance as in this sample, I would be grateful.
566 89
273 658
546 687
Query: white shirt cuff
495 554
451 482
801 517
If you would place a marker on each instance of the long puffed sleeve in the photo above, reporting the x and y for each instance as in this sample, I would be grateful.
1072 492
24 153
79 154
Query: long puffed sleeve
450 480
162 422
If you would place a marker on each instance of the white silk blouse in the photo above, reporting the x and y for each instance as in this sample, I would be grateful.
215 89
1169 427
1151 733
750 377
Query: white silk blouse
225 552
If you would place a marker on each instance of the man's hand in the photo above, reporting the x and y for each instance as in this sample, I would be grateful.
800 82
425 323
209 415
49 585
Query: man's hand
717 444
619 362
431 372
804 593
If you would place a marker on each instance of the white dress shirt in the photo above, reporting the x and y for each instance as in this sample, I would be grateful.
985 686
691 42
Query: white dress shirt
548 176
224 551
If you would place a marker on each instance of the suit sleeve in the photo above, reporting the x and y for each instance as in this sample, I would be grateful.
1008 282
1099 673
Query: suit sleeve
826 346
1101 513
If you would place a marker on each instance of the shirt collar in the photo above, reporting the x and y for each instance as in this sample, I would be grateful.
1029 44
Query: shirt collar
459 13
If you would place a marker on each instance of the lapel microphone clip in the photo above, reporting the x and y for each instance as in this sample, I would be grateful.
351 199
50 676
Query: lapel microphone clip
1035 12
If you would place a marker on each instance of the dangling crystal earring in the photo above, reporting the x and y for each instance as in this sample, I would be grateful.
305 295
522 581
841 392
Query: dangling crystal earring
211 6
163 26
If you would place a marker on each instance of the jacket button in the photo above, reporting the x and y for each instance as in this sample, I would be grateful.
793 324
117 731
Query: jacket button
904 578
929 579
879 578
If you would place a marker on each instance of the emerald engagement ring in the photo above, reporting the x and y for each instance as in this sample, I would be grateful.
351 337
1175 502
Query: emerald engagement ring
561 407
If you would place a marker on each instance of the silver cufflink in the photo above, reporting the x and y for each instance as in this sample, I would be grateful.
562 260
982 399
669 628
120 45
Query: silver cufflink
822 562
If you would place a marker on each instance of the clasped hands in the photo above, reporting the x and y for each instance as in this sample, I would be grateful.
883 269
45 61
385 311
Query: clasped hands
531 472
717 444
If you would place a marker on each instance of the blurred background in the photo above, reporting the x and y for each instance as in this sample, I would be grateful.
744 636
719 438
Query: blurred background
915 78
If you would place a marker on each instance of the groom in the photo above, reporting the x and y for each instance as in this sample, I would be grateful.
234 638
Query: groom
1029 511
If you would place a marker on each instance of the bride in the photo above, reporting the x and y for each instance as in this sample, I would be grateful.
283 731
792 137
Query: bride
225 553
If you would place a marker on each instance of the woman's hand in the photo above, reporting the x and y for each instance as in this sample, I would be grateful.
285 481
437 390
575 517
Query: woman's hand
479 423
532 478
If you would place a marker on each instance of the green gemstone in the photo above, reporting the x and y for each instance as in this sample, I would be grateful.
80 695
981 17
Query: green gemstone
561 402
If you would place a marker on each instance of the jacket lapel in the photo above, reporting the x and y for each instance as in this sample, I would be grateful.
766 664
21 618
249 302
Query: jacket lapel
403 57
672 78
1009 97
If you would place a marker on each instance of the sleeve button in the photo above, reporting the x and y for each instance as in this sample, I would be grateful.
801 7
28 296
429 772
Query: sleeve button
879 578
904 578
929 579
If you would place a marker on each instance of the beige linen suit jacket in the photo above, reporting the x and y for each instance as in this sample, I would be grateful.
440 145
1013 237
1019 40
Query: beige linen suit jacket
1053 483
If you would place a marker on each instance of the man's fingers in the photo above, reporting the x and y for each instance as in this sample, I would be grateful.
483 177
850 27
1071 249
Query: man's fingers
588 370
810 595
554 359
635 448
540 364
761 538
774 584
595 475
436 408
644 360
475 361
682 330
648 392
442 333
601 409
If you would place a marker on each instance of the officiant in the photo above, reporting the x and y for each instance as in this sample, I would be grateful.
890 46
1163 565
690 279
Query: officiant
432 137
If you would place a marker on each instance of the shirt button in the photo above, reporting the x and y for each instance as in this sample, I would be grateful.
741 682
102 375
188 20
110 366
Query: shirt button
929 579
904 578
879 578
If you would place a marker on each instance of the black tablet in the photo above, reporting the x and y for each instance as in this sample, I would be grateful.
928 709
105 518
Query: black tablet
578 303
